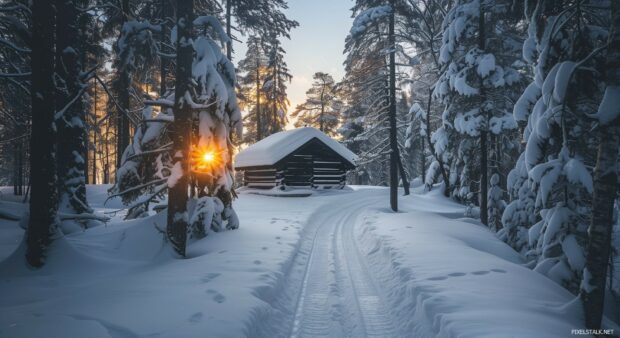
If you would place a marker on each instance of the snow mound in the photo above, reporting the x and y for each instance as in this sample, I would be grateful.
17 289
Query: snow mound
272 149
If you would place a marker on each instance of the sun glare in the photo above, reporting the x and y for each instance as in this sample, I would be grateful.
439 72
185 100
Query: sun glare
208 157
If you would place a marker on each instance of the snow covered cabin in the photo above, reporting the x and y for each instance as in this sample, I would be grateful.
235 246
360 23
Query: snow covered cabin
299 158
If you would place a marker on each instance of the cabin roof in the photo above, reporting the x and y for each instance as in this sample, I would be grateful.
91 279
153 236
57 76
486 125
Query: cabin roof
274 148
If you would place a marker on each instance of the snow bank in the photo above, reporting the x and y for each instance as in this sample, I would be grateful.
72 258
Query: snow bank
270 150
451 277
120 280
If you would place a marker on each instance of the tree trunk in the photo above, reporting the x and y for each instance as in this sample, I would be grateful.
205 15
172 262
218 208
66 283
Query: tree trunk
422 159
122 133
259 126
403 174
177 193
592 292
228 29
95 132
70 108
42 222
392 88
484 162
274 91
163 63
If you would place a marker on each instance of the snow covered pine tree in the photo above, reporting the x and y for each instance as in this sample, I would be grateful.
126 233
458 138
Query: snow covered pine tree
477 78
551 186
202 161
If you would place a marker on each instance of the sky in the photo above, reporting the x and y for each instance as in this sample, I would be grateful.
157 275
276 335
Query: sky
315 45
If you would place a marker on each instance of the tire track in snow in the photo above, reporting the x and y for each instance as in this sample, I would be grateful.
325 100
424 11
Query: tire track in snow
335 295
370 300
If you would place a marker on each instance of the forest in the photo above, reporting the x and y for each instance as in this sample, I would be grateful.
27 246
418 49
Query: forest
504 112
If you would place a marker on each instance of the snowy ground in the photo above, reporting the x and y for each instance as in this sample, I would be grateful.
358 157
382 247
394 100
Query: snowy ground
335 264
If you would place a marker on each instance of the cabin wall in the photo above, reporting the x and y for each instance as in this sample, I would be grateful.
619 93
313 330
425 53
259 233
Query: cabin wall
266 178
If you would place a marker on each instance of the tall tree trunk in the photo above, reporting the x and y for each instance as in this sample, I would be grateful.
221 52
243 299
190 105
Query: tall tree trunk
42 223
274 91
15 170
259 125
70 110
122 133
177 193
95 132
484 151
423 159
592 292
228 29
20 167
392 88
163 64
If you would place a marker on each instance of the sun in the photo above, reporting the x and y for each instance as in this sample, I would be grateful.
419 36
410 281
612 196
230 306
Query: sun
208 157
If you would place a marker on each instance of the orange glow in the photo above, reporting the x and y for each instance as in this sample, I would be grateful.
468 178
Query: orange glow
206 159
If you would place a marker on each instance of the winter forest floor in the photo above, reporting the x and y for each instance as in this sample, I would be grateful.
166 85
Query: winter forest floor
335 264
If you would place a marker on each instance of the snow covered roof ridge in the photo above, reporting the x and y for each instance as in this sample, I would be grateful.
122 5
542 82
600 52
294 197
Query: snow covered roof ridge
274 148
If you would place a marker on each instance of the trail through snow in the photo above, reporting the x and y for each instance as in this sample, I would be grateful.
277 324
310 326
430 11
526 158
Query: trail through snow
332 293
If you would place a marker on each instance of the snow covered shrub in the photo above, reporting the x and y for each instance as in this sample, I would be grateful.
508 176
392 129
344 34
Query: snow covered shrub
496 203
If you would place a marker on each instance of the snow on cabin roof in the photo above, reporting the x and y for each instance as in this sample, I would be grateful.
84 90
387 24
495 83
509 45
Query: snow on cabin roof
272 149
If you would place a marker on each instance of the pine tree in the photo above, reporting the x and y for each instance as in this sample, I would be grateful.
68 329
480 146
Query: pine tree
424 26
257 17
321 109
275 87
373 48
552 176
252 93
195 157
477 77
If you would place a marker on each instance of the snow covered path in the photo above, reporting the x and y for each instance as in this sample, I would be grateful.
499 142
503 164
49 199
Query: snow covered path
332 293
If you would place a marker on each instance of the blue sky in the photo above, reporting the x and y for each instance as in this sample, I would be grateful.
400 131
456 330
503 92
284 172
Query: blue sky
316 45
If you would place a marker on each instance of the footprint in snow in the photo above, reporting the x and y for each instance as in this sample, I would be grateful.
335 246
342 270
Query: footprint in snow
209 277
264 248
498 270
257 262
222 251
278 237
480 273
457 274
195 318
217 297
438 278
